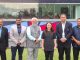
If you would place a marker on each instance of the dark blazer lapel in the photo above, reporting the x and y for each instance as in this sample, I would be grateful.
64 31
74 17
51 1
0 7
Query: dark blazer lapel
21 30
65 26
2 32
60 27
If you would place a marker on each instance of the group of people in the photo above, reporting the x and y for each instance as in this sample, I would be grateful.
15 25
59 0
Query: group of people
31 36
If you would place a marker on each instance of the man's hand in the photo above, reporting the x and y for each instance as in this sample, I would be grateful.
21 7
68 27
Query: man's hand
63 40
19 43
75 40
78 42
16 42
36 41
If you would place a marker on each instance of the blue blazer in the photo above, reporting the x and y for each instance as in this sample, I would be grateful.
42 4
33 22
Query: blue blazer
68 32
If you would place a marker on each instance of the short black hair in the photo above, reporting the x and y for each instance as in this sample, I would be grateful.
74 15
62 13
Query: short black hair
18 18
63 14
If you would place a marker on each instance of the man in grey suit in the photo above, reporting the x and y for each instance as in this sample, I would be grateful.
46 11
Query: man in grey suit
33 41
18 37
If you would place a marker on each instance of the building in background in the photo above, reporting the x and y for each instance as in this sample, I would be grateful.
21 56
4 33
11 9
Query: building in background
40 10
14 10
54 10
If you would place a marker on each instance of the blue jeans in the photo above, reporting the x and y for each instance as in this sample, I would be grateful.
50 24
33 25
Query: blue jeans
20 52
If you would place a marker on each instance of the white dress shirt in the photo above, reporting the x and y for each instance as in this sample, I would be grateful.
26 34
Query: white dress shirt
63 28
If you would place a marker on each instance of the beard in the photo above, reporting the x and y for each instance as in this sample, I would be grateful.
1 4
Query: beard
18 24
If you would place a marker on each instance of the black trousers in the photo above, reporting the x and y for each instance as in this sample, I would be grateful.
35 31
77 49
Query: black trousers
62 50
48 55
76 52
3 54
20 52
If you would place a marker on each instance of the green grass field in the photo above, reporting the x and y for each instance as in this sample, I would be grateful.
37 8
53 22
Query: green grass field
40 55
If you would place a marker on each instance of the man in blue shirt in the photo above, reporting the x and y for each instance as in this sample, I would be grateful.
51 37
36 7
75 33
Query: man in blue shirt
76 40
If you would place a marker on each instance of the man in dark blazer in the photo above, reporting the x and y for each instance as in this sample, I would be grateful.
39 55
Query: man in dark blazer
64 32
3 40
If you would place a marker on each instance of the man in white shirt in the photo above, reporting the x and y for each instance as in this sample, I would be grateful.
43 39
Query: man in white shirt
33 39
64 33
